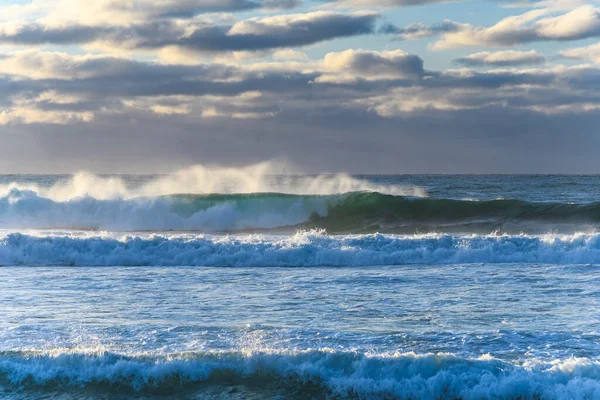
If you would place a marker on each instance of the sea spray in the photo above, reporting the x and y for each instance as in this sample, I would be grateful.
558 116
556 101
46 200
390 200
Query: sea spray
266 177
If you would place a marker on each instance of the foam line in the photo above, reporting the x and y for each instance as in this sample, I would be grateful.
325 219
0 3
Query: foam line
304 249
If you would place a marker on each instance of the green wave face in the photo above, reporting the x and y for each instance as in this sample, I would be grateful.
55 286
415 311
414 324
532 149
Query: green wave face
361 212
188 204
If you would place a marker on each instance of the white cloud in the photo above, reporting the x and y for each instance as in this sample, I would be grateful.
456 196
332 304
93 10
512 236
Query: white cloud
581 22
36 64
117 12
589 53
290 54
370 65
31 115
385 3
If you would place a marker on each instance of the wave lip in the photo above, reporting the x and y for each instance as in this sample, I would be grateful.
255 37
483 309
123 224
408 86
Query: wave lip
341 374
305 249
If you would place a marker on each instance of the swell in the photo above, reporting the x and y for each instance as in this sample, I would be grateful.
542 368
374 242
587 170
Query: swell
387 213
304 249
337 373
356 212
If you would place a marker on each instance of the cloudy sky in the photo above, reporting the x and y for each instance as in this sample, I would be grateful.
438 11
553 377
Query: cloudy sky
373 86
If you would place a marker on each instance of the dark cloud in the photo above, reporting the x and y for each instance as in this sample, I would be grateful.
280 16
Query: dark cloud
351 64
190 8
387 3
475 119
250 35
419 30
388 84
278 33
491 140
501 59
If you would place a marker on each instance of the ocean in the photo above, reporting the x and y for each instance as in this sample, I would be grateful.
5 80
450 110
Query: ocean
215 283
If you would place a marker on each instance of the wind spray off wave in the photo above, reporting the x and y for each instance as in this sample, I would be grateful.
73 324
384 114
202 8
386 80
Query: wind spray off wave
200 198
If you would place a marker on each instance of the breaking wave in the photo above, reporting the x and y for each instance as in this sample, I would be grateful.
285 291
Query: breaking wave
208 200
354 212
306 374
199 199
266 177
304 249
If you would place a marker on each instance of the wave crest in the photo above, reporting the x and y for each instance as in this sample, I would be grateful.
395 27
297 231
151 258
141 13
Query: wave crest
355 212
266 177
341 374
305 249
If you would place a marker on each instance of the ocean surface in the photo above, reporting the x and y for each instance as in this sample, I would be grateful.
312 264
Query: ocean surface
215 283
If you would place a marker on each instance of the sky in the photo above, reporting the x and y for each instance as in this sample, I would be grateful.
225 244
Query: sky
358 86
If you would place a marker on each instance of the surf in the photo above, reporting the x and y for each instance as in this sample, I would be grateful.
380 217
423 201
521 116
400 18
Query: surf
304 249
341 374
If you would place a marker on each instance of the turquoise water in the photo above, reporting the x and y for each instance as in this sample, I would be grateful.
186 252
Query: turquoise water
130 295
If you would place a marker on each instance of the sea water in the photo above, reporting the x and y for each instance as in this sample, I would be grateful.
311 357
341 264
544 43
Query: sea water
237 283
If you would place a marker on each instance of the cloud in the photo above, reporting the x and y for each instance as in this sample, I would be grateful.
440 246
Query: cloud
98 12
371 65
290 54
535 25
549 4
386 3
27 115
117 83
280 31
254 34
550 91
552 4
52 87
487 140
35 64
588 53
501 58
420 30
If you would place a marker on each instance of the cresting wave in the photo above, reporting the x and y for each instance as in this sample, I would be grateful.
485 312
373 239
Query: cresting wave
266 177
304 249
354 212
213 199
339 374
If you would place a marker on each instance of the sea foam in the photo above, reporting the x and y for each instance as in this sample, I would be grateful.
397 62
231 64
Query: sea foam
304 249
342 374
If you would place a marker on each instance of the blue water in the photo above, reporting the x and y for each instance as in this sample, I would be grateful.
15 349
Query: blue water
125 293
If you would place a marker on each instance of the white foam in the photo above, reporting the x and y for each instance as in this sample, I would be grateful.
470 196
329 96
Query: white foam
24 209
353 374
305 249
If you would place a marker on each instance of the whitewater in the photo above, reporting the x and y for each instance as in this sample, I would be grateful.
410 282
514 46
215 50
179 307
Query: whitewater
263 282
